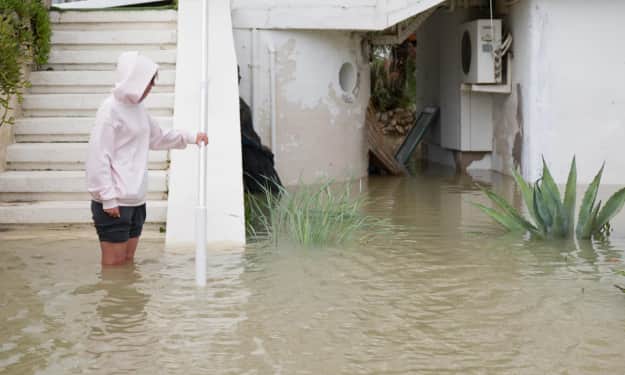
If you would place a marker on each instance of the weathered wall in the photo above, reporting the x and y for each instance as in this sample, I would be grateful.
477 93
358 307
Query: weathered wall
572 86
319 127
511 112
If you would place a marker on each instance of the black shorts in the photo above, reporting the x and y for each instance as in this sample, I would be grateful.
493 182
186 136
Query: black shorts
118 229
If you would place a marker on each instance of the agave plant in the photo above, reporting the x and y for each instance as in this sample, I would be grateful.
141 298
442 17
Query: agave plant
552 216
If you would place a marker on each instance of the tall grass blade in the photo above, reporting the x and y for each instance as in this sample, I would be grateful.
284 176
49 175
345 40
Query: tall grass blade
612 207
584 221
570 195
315 215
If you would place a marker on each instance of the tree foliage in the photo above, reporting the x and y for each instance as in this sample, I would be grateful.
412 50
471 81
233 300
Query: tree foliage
24 38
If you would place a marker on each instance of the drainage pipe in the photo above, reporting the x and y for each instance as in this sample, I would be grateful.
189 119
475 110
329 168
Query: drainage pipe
253 68
272 84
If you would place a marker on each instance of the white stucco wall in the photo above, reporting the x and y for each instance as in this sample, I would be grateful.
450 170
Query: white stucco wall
574 102
225 222
319 127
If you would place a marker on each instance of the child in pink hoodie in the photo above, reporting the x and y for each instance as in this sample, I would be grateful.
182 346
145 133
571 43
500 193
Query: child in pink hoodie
117 161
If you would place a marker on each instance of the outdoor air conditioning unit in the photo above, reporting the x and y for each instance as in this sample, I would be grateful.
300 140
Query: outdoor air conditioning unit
477 49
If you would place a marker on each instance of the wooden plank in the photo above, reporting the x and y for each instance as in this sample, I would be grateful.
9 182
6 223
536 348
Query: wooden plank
378 146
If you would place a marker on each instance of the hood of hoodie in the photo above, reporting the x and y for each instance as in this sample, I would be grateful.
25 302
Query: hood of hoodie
134 73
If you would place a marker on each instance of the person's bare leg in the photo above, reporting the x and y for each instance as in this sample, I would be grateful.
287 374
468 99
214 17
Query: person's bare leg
113 253
131 248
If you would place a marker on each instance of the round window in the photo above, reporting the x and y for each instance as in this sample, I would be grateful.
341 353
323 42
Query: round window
347 77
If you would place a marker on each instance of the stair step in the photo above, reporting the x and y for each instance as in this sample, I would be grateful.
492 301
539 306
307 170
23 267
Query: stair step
85 105
89 82
116 16
113 37
66 212
62 156
104 59
62 129
62 185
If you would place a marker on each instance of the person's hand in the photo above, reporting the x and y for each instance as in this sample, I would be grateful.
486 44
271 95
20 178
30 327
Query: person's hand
201 138
112 212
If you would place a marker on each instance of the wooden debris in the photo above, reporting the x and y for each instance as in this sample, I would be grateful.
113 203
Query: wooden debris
383 150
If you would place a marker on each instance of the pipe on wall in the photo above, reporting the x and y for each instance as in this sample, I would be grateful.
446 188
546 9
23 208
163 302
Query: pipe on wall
253 67
273 88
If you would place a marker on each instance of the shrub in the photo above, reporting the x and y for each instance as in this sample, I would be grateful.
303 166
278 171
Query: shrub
24 38
551 217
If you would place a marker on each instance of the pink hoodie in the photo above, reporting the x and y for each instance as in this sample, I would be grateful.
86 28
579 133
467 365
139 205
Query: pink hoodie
124 132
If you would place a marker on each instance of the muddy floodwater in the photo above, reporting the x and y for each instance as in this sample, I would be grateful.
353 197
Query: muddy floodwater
445 293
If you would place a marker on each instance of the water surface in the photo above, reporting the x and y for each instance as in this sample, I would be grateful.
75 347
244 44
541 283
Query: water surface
446 293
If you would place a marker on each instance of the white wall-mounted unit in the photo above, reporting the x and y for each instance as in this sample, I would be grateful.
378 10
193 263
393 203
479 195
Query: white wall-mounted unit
474 131
477 51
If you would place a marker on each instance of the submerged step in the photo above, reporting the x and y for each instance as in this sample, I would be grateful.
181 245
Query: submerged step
66 212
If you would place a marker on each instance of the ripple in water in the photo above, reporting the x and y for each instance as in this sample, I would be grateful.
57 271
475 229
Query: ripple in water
446 294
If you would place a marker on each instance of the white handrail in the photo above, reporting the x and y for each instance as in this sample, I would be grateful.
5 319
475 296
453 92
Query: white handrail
200 249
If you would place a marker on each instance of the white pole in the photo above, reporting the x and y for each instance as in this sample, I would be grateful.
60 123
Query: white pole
200 212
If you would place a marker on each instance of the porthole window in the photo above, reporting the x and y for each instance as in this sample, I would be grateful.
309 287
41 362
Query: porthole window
347 77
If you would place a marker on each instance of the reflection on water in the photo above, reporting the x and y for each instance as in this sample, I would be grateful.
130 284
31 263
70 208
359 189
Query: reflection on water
446 293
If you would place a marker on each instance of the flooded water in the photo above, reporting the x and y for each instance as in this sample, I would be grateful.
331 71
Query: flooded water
447 293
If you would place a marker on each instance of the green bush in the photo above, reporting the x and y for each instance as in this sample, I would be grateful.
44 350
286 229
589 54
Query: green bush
393 77
24 38
314 215
553 217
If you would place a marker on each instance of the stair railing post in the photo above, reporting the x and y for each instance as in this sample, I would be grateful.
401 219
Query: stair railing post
200 250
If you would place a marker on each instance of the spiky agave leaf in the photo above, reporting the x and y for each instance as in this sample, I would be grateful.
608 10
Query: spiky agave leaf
545 220
612 207
506 221
510 211
551 197
587 229
527 193
584 220
570 194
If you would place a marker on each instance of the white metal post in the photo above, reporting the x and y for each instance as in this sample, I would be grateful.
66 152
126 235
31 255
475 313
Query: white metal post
200 218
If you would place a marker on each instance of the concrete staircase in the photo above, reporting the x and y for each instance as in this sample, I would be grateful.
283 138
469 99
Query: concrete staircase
44 181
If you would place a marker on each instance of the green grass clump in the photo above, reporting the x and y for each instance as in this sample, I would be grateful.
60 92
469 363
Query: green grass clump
553 217
311 215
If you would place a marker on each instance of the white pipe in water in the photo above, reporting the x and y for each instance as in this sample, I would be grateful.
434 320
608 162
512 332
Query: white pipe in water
254 37
200 212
